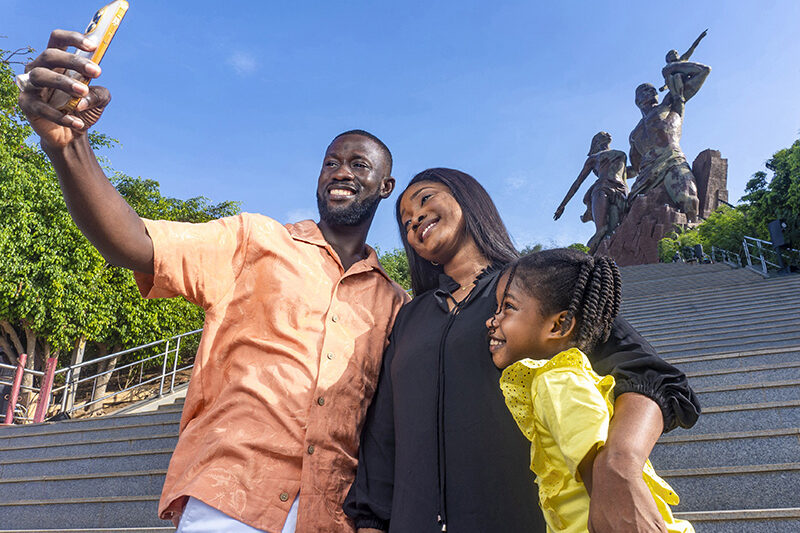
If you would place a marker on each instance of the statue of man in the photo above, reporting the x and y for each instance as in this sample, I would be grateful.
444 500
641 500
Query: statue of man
605 199
655 152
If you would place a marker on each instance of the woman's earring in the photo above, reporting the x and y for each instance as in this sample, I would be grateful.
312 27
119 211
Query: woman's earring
434 263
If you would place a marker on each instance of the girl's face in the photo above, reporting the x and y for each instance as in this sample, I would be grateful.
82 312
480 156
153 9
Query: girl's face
432 221
519 329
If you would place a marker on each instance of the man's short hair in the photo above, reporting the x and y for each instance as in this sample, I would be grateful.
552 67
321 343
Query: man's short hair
368 135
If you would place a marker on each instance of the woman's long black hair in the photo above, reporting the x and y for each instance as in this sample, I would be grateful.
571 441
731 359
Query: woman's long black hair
481 219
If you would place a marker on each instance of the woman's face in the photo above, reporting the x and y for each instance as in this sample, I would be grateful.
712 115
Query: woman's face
432 221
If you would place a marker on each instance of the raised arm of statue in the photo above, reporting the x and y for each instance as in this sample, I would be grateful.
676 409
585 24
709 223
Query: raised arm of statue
688 53
587 169
693 76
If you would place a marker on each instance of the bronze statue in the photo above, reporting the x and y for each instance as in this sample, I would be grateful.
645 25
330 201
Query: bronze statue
605 199
672 57
655 153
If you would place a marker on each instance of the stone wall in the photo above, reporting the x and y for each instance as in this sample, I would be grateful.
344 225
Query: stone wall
650 219
710 171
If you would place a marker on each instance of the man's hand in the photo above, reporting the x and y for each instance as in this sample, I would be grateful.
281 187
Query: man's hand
620 500
559 212
56 129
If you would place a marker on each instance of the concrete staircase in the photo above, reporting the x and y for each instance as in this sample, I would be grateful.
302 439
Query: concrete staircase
737 337
99 474
735 334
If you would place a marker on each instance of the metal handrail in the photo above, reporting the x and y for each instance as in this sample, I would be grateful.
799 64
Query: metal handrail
758 250
726 256
168 377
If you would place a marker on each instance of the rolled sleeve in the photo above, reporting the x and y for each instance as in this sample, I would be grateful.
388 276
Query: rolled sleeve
197 261
636 367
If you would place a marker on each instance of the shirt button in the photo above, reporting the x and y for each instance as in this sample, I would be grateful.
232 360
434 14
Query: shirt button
330 356
310 449
334 318
284 496
321 400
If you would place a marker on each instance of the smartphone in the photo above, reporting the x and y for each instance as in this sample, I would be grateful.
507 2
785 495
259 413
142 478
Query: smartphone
100 31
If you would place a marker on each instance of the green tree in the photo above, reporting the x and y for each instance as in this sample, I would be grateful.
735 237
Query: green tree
777 198
56 291
395 263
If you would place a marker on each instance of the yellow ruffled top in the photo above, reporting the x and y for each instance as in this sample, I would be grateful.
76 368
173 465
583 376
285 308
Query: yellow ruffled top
564 408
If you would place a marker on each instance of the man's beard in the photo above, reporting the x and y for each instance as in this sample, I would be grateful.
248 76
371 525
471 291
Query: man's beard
356 213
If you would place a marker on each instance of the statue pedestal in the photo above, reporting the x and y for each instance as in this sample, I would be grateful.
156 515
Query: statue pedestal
650 219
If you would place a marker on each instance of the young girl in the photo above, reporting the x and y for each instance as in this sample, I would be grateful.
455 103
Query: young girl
553 306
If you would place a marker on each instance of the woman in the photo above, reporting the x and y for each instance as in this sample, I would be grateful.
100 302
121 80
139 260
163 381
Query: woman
439 449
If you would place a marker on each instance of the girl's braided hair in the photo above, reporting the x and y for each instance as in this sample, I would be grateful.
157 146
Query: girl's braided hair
588 288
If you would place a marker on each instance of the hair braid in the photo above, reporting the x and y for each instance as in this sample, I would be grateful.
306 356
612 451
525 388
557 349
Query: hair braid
592 307
578 292
588 288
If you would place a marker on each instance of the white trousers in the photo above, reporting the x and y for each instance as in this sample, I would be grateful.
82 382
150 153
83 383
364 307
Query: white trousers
201 518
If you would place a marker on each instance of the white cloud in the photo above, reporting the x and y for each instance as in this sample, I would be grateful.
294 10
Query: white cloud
296 215
243 63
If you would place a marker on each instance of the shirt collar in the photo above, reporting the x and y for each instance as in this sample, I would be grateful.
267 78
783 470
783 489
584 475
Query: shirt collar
308 231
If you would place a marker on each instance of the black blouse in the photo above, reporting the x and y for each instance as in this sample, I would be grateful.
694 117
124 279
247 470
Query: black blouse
418 423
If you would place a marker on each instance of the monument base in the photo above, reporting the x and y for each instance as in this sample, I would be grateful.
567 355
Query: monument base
650 218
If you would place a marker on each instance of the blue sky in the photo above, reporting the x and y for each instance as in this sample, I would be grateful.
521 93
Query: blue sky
238 100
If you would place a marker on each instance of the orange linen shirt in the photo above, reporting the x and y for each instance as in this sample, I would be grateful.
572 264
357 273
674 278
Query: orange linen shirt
287 365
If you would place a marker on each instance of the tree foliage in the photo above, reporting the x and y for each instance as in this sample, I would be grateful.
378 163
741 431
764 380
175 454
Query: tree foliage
395 263
766 199
55 288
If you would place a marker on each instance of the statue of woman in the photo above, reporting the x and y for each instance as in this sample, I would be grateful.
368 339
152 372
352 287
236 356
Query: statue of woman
605 199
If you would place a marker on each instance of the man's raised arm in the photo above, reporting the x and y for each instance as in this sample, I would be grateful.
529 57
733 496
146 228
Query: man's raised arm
99 211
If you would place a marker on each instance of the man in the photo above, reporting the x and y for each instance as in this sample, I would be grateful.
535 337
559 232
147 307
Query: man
297 318
655 154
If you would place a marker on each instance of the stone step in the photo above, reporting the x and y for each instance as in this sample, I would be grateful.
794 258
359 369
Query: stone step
83 513
702 287
735 487
70 449
77 434
735 359
687 333
684 449
172 415
770 391
726 346
658 326
699 299
748 417
85 464
133 483
674 291
745 520
741 375
702 310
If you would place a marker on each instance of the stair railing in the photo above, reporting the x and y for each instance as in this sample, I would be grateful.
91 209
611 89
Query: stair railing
720 255
165 350
11 385
764 258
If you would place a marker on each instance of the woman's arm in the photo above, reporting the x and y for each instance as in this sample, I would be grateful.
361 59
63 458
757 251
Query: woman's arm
620 499
369 501
652 396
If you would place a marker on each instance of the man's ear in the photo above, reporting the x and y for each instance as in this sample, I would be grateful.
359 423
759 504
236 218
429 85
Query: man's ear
557 324
387 186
